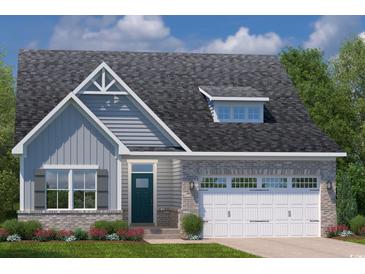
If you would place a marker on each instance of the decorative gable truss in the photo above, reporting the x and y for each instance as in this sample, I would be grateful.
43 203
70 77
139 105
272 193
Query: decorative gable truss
101 81
104 81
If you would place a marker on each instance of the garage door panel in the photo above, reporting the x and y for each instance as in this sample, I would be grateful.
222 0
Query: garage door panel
265 198
236 199
280 199
251 229
296 229
206 198
220 199
237 214
251 199
311 229
220 229
207 213
295 198
208 229
266 229
281 229
220 213
236 229
310 198
281 214
297 214
311 213
266 213
252 213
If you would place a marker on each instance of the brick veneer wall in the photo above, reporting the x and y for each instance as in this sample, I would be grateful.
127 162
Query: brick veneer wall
326 170
70 219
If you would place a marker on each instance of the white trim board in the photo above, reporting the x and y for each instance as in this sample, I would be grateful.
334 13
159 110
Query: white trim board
70 167
234 98
103 65
69 99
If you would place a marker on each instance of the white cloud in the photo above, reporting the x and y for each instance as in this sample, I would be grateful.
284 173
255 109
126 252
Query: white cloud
330 31
244 42
147 33
32 44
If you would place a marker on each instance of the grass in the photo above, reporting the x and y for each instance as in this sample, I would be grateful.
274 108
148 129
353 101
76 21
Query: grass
355 239
93 249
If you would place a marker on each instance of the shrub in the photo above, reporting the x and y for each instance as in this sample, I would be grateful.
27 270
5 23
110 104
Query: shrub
97 233
113 237
333 231
80 234
44 235
357 223
192 224
135 234
28 228
111 226
24 229
14 238
12 226
63 234
3 234
122 233
362 231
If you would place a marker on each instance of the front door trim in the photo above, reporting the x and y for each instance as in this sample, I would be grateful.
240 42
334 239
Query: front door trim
154 164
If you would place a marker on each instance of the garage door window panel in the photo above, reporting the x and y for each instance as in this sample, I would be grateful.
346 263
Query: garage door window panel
304 183
214 182
243 182
274 183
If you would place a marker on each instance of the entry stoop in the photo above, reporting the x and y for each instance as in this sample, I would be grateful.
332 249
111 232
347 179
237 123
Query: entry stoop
161 233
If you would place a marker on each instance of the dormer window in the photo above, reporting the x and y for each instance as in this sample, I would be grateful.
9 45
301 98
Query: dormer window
235 104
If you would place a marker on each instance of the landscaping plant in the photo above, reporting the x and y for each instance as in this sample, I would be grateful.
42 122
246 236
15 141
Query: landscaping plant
135 234
122 233
44 235
3 234
192 226
63 234
97 233
111 226
14 238
80 234
357 223
113 237
25 229
334 231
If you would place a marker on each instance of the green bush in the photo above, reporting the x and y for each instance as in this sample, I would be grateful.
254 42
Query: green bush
357 223
25 229
111 226
192 224
80 234
12 226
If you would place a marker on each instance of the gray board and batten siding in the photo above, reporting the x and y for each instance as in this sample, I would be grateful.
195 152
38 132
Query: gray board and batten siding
70 139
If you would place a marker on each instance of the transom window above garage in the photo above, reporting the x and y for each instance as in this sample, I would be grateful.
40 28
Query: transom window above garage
243 182
274 182
304 183
214 182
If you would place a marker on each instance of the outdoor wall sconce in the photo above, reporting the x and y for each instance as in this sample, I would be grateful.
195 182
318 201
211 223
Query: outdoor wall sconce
191 185
329 185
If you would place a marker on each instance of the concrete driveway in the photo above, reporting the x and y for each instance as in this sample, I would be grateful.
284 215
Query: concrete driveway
296 247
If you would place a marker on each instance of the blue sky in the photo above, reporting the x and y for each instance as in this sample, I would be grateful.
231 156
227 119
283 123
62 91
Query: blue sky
218 34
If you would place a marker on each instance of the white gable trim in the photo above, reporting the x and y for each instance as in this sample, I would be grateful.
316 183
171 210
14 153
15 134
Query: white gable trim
19 149
242 99
103 65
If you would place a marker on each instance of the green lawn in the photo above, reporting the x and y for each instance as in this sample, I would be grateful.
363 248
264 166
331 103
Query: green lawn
90 249
358 240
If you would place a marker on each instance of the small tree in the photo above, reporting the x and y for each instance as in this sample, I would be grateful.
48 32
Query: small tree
346 201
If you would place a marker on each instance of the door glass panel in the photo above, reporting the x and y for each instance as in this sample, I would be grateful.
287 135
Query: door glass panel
142 168
142 183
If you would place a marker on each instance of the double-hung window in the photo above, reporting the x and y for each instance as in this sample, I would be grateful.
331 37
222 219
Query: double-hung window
71 189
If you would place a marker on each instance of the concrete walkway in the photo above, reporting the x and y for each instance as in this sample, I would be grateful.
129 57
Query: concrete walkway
296 247
178 241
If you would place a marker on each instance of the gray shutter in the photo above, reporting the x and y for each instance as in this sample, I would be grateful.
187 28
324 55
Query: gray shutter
39 189
102 189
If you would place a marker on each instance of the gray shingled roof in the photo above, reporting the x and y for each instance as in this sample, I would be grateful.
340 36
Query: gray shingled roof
229 91
168 83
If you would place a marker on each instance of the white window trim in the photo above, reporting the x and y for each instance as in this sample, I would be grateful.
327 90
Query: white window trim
70 166
71 190
154 171
235 98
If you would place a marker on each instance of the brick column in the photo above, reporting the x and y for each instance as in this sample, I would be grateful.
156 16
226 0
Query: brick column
328 206
189 199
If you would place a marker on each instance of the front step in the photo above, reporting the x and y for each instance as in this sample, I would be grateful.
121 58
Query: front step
161 233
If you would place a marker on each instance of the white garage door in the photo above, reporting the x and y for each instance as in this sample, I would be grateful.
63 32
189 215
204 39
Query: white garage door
260 207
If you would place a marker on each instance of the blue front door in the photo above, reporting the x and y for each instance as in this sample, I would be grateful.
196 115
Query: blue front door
142 198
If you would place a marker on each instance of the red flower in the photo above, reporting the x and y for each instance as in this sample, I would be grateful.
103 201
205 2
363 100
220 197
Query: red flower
3 234
44 235
122 233
64 233
97 233
135 234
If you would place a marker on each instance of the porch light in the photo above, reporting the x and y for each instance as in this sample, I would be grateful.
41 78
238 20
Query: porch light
329 185
191 185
